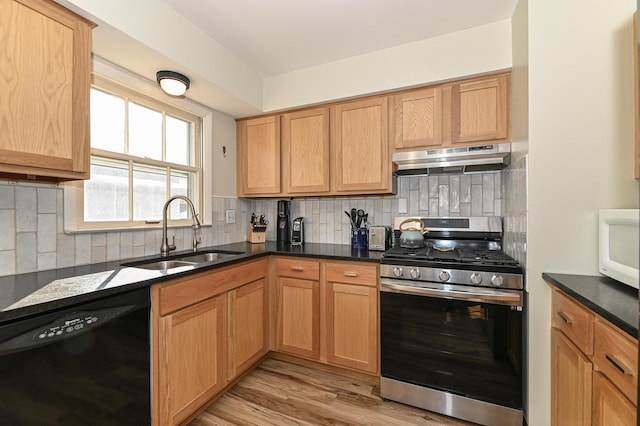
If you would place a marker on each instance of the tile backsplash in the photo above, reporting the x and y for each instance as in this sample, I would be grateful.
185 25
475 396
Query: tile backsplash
515 212
33 237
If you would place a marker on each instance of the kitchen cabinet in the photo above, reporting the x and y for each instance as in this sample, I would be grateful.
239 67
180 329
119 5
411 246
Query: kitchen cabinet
258 151
298 312
44 108
305 151
417 119
360 147
352 315
476 110
248 326
197 321
594 367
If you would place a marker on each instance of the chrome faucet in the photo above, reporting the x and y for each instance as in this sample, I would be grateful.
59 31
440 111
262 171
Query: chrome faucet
165 248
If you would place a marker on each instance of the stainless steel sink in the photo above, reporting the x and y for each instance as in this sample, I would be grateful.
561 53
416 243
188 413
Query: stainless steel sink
193 260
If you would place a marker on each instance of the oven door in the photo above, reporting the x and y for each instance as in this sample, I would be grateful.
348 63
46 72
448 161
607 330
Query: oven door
453 339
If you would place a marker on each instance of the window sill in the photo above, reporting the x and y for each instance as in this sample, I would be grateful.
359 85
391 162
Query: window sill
127 229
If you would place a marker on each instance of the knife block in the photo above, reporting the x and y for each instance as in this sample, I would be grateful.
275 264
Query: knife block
257 234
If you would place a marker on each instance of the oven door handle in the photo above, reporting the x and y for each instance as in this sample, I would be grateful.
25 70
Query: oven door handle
457 292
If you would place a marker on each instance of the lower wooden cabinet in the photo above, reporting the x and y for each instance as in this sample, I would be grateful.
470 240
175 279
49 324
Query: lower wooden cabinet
247 326
610 406
192 358
571 387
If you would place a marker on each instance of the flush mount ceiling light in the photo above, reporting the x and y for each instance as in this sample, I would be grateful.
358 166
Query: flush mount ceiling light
172 83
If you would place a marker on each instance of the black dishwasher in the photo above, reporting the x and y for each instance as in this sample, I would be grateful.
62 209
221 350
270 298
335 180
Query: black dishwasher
88 364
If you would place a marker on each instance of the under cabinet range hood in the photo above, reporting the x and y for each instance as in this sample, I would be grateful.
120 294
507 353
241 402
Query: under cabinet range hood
473 159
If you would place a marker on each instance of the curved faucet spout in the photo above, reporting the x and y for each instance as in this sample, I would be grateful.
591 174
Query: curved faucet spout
165 248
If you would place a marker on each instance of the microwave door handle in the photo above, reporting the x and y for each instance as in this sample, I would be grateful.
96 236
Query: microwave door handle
512 298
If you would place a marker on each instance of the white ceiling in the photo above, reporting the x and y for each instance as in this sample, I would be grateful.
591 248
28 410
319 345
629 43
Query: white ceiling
278 36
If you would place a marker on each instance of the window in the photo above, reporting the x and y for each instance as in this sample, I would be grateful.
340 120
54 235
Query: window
143 151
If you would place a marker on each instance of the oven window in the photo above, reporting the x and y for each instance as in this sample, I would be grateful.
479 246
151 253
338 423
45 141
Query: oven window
466 348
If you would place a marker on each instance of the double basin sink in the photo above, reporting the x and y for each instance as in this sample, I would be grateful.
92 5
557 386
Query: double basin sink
187 261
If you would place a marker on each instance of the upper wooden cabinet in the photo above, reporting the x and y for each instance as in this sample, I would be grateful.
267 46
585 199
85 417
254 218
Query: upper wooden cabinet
305 151
417 118
477 110
360 147
258 150
44 82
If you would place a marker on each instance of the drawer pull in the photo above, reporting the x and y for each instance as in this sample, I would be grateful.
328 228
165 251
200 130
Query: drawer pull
620 366
297 269
350 274
565 318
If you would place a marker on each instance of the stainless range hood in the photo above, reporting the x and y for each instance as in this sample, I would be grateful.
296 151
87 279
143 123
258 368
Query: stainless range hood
474 159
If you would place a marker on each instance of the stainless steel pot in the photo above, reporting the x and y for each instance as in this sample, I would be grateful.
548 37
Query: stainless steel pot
412 233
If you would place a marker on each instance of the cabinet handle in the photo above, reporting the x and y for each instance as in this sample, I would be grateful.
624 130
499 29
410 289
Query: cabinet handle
297 269
620 366
350 274
564 317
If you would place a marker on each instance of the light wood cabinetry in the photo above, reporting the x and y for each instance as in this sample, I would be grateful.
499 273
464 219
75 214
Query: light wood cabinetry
298 289
305 151
478 110
352 315
360 147
417 119
198 321
258 151
44 106
594 367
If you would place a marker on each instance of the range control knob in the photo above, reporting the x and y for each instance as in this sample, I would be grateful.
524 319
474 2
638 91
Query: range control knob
497 280
397 272
415 273
444 276
475 278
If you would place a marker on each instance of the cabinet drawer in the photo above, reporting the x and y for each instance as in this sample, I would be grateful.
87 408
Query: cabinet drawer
575 321
298 268
616 356
352 273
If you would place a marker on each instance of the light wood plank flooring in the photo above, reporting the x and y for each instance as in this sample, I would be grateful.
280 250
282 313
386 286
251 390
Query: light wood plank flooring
281 393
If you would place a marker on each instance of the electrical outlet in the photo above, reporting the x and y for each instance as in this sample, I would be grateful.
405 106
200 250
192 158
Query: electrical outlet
230 216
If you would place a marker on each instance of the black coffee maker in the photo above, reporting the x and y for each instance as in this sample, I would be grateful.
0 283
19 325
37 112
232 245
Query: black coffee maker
283 231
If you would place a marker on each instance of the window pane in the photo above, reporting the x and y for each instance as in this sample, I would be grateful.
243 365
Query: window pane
107 121
145 132
178 140
149 192
106 194
181 184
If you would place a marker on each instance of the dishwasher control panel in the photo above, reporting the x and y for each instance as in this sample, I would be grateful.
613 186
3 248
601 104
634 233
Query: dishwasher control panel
67 326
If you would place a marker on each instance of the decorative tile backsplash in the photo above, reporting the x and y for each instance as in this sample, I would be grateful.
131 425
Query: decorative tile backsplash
33 237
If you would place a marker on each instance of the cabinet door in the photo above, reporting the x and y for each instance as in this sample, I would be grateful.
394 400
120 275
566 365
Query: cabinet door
192 358
352 326
479 110
258 161
305 151
417 119
298 320
571 375
44 107
610 406
248 323
360 147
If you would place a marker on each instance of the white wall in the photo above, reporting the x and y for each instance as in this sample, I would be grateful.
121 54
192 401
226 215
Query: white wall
224 164
474 51
580 151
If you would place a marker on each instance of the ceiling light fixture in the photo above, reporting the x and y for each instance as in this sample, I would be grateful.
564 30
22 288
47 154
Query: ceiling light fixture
172 83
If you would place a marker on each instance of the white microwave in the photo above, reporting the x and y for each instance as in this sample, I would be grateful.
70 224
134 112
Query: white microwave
619 254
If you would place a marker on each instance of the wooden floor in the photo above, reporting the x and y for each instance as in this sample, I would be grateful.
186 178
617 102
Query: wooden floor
281 393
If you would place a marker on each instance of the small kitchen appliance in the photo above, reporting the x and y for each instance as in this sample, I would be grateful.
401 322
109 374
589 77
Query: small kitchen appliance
379 238
451 322
619 234
297 235
283 230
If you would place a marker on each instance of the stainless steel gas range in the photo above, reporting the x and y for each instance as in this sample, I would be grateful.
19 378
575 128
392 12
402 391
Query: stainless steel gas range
452 322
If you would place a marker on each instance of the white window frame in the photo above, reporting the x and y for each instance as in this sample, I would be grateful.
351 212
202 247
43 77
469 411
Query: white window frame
109 77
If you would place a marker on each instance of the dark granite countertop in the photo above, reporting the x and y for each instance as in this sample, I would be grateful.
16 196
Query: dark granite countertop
614 301
34 293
